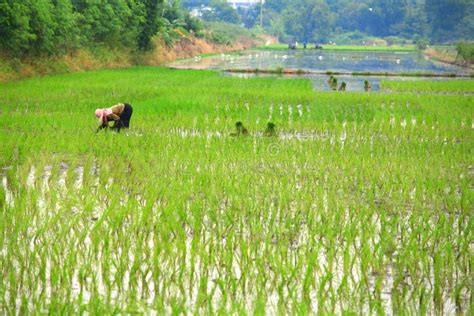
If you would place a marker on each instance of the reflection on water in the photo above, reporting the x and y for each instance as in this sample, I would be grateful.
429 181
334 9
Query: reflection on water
320 82
317 60
354 83
322 61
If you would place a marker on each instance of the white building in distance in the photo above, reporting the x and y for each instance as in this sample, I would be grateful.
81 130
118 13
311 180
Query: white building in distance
243 3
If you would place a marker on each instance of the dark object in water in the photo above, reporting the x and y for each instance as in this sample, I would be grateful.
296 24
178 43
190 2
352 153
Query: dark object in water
317 46
367 86
332 82
240 130
343 86
292 45
270 131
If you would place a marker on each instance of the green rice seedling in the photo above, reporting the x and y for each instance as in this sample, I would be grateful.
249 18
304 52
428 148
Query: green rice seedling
343 211
430 87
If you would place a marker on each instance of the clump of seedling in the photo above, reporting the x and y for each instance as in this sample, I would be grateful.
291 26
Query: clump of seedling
343 86
367 86
332 82
270 131
240 130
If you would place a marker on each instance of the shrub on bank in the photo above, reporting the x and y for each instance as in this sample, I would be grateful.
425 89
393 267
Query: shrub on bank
466 51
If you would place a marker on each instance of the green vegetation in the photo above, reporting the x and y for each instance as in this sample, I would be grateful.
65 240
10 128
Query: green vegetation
352 21
408 74
345 48
47 27
227 33
453 86
361 205
50 36
466 51
280 70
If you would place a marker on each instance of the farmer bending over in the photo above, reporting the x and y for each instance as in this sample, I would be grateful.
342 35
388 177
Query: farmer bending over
120 114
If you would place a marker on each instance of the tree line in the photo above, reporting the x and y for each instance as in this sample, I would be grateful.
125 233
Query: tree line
54 27
35 27
437 21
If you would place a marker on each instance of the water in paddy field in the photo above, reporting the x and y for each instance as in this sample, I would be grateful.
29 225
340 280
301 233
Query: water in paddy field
322 61
354 83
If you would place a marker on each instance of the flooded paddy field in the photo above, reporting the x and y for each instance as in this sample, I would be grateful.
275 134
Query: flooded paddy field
358 203
313 64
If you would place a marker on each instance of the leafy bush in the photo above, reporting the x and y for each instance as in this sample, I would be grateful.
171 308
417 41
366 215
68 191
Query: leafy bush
466 51
193 25
421 44
396 40
225 33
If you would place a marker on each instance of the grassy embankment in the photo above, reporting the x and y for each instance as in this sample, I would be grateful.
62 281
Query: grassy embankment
345 48
224 38
447 54
363 204
285 71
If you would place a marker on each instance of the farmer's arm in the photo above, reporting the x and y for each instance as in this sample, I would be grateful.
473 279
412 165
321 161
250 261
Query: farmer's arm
117 121
102 126
117 110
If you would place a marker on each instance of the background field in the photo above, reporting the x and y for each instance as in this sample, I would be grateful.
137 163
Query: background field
362 204
345 48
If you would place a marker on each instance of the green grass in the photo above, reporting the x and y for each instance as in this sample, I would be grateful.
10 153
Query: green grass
280 70
453 86
370 211
346 48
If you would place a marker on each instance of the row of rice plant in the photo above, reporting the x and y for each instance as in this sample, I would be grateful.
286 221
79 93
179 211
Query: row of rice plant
361 204
429 86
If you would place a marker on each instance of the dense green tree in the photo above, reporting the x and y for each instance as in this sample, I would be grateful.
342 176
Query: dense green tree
353 16
15 31
42 26
273 23
466 51
441 20
276 5
390 14
58 26
415 23
450 19
37 26
308 20
66 33
221 11
250 16
104 21
150 24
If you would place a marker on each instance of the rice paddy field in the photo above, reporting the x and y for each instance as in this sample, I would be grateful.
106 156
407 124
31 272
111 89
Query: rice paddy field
352 48
363 203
